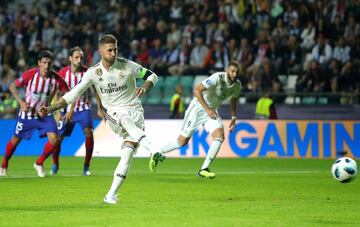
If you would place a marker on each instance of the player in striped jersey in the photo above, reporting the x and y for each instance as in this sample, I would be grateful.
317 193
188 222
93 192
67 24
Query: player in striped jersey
40 84
78 112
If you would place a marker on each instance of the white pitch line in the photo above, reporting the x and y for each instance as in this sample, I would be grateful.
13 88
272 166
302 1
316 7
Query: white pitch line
176 173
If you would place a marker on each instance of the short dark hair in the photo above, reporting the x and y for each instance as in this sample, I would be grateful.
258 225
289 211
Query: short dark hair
235 64
107 39
45 54
72 50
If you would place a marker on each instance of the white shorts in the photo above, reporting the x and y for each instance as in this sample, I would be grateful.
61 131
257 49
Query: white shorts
136 113
195 116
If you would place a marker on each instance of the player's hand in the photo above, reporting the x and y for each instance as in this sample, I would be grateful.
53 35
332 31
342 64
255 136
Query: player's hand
212 113
140 91
43 111
232 124
101 114
24 106
68 116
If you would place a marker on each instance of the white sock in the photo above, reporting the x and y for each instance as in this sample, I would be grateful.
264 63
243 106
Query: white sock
138 134
120 172
212 152
170 146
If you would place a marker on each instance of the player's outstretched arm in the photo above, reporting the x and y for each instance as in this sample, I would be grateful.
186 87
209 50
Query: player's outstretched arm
45 110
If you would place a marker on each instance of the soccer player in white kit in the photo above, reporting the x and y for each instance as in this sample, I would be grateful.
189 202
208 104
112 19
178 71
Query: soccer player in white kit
209 95
115 82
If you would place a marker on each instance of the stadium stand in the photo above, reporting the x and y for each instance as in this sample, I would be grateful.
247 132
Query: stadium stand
306 52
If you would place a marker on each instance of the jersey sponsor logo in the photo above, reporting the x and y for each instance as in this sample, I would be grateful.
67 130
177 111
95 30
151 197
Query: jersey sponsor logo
112 87
208 82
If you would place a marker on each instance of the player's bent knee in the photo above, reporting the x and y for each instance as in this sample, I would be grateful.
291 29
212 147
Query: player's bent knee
219 139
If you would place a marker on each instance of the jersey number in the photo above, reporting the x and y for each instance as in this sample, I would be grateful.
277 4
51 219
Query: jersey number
19 127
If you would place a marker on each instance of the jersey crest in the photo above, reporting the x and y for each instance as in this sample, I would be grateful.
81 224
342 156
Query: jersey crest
98 72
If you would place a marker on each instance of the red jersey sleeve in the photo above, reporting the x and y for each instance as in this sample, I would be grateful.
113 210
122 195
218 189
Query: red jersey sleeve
25 77
62 72
62 84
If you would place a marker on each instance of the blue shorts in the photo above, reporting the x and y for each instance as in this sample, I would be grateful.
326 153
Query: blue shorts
81 117
26 127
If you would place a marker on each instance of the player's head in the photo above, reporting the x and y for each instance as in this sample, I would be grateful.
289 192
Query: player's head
232 71
45 60
76 57
108 48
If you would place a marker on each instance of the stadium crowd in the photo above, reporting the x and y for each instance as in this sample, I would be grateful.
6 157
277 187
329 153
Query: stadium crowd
316 40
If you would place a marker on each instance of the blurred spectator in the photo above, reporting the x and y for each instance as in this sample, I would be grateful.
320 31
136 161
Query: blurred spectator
341 52
62 53
174 33
8 106
279 33
156 57
337 29
275 56
182 66
198 56
322 51
308 36
171 56
245 55
218 56
265 79
315 79
48 35
351 28
293 56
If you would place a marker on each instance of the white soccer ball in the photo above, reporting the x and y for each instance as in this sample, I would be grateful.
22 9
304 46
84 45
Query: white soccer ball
344 169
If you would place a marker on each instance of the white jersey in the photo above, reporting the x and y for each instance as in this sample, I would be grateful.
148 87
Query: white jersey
116 86
218 89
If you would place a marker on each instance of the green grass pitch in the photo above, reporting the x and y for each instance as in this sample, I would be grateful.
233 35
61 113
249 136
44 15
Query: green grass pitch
246 192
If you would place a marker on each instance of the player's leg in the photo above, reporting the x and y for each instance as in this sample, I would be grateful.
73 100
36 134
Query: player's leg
127 153
64 130
170 146
89 147
9 151
56 156
47 127
49 147
218 138
192 120
137 134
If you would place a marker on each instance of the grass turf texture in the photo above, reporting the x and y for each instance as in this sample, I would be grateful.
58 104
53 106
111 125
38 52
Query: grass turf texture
246 192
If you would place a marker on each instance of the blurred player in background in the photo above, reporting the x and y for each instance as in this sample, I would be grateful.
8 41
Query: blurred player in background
202 110
177 106
40 84
265 107
115 82
78 112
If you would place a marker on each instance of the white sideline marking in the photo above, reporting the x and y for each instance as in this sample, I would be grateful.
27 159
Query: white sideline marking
172 172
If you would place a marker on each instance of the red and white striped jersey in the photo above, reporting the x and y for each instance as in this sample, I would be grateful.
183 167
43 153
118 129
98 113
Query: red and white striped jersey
39 91
83 102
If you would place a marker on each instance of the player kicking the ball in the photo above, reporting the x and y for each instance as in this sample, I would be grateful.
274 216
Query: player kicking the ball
202 110
115 82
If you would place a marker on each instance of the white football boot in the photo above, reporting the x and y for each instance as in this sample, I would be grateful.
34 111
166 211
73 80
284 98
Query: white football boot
110 199
3 172
39 170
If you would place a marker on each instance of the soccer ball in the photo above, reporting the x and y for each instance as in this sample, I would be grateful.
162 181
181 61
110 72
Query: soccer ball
344 169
